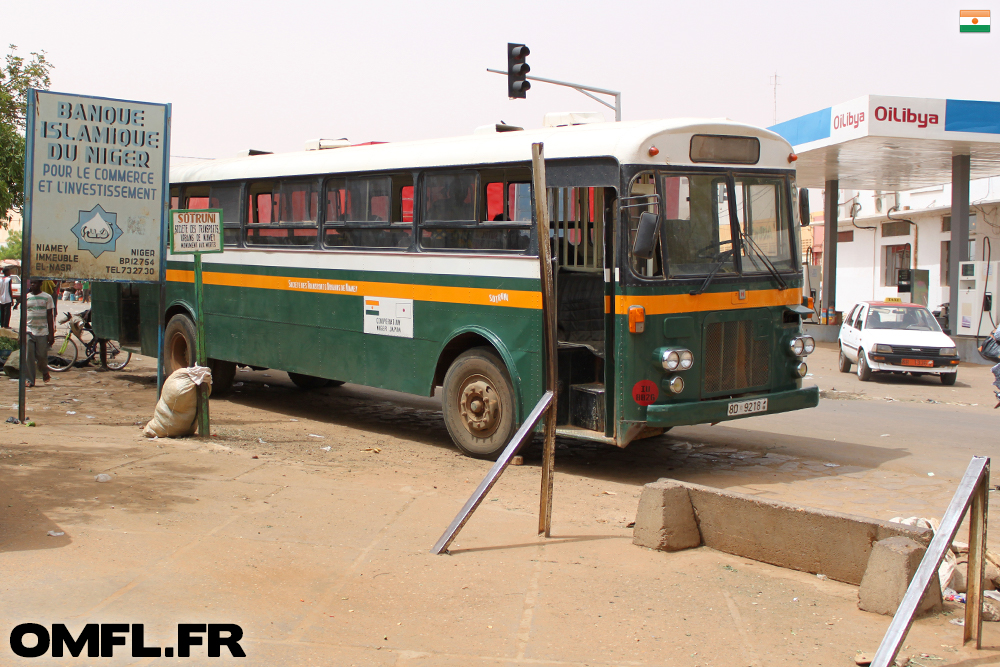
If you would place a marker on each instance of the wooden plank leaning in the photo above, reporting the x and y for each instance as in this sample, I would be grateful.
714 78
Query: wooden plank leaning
548 334
972 490
515 444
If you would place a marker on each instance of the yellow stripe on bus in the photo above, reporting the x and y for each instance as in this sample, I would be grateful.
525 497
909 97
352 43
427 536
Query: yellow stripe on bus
664 304
442 294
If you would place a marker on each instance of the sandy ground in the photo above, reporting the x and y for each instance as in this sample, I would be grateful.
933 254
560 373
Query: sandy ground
322 555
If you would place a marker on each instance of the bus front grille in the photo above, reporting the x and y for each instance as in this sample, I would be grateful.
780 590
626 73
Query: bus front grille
734 361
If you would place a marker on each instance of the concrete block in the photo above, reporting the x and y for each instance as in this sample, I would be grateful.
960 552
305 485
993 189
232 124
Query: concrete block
770 531
665 519
891 567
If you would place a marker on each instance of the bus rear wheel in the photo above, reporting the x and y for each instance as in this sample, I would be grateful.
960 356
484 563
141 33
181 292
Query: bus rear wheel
478 403
307 382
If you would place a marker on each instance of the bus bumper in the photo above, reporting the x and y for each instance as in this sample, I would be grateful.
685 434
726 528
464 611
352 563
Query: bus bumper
702 412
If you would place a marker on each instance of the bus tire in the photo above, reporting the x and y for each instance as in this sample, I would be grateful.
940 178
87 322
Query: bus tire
178 344
307 382
478 403
223 374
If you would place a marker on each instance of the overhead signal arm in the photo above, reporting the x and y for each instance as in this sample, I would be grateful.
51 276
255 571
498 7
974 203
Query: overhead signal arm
517 80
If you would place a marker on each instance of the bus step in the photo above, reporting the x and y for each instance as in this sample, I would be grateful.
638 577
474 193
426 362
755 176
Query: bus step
586 403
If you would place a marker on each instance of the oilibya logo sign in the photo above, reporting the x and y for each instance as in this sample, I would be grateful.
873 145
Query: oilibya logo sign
905 115
849 119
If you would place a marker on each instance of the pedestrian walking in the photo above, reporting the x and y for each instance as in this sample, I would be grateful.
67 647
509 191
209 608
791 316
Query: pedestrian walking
41 323
6 297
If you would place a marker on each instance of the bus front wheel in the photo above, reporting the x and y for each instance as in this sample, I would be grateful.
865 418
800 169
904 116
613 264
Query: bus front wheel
478 403
179 341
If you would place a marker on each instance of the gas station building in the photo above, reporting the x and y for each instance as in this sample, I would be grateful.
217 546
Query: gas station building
906 184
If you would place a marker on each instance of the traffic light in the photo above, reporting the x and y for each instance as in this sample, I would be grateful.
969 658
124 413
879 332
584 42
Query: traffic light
517 70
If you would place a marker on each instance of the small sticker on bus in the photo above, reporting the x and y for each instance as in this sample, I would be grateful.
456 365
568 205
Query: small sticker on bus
385 316
645 392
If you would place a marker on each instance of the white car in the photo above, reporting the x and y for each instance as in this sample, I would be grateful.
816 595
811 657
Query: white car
15 287
896 337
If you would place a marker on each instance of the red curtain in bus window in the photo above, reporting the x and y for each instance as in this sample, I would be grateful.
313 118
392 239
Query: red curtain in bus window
494 201
197 202
261 203
406 200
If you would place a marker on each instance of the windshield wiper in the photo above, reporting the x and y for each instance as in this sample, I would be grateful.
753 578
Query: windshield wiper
767 262
725 257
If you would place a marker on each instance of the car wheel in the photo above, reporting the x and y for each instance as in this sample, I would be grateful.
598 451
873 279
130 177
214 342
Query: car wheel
864 371
949 379
844 362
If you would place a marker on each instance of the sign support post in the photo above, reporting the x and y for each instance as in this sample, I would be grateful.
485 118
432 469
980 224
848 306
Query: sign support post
549 338
198 231
204 427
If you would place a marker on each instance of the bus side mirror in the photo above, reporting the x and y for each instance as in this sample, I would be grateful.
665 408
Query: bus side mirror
646 236
804 207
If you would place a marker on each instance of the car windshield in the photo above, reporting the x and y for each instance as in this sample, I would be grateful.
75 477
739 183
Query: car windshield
910 318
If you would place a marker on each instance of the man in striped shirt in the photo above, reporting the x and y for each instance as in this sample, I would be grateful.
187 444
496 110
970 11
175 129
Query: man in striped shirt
41 333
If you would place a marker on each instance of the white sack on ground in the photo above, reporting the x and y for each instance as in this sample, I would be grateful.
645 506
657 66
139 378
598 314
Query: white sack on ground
178 405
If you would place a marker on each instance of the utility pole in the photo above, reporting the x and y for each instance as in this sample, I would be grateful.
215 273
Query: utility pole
775 84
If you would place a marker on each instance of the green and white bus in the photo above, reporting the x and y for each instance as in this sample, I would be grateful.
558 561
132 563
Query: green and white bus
412 266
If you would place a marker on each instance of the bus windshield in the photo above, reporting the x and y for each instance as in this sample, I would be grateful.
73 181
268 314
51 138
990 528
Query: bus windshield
697 227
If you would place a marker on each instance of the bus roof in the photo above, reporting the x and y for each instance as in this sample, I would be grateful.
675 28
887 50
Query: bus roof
626 142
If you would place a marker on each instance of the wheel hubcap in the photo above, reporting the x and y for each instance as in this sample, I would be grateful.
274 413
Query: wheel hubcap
479 406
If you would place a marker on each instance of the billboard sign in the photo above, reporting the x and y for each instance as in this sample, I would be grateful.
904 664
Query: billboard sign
96 188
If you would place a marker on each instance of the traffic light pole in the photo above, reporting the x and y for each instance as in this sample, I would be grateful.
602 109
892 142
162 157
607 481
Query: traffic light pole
586 90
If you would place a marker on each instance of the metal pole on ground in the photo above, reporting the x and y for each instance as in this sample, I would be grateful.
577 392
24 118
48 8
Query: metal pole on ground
549 337
831 211
971 493
204 428
26 256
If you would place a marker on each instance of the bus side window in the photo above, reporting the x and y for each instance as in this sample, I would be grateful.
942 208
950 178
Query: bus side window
362 212
454 218
227 197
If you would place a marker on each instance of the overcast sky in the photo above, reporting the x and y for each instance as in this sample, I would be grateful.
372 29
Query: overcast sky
270 75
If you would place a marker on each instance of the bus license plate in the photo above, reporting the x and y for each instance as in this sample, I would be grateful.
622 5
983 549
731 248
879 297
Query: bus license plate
927 363
737 408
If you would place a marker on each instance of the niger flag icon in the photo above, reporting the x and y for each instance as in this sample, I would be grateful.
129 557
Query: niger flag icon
974 20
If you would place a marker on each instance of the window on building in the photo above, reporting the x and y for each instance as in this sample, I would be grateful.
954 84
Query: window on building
895 228
945 262
946 223
894 258
845 237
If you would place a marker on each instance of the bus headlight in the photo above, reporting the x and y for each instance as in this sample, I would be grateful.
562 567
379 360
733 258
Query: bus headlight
676 384
796 346
801 346
675 359
801 369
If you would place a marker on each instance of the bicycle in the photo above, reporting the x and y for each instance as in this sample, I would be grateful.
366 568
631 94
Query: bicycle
65 351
